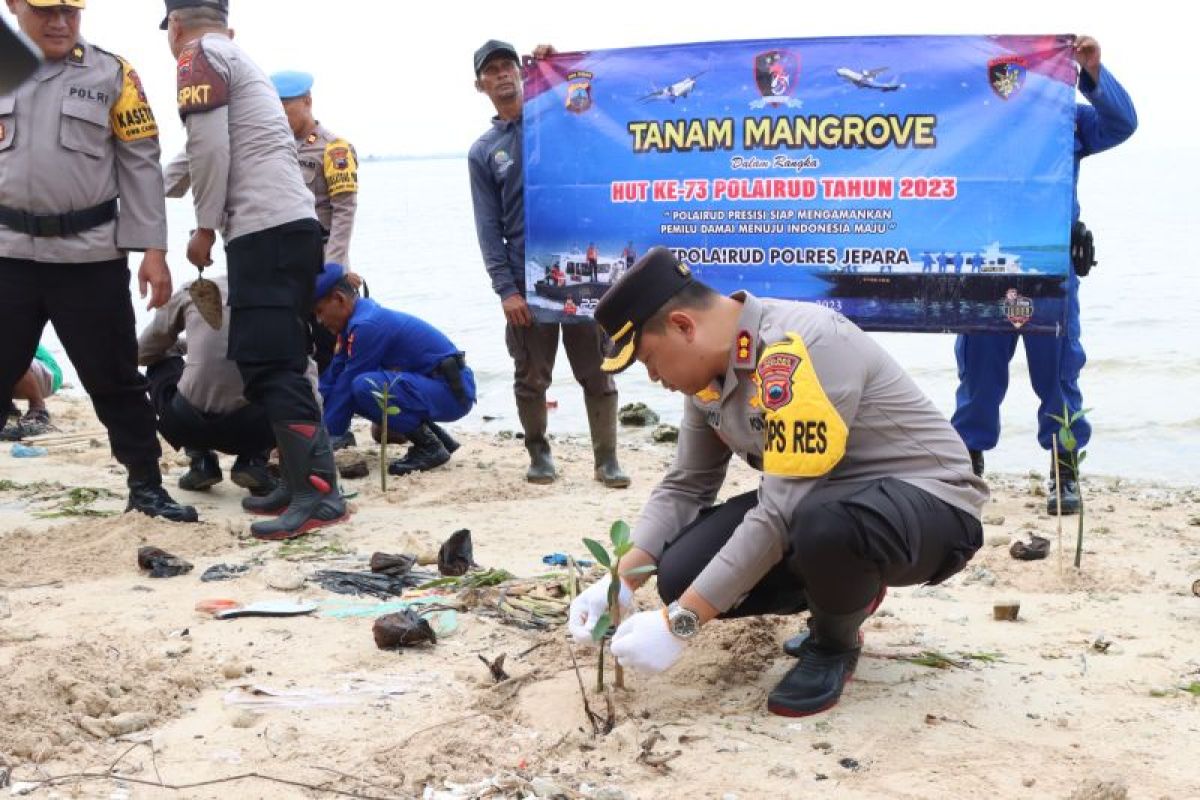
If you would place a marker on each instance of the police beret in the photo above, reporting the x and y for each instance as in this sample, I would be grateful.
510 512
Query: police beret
291 84
491 48
327 279
175 5
52 3
652 280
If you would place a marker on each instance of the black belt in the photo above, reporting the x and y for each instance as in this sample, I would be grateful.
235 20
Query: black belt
68 224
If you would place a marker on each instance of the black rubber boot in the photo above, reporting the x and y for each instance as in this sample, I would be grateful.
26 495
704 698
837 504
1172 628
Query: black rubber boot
342 442
250 472
273 503
602 422
792 645
147 495
827 659
1070 491
426 453
533 420
976 462
203 473
309 469
448 441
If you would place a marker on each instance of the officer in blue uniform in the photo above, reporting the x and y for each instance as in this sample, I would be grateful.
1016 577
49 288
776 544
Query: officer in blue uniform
1054 362
428 377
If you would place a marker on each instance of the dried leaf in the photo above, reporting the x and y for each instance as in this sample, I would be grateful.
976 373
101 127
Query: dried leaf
206 295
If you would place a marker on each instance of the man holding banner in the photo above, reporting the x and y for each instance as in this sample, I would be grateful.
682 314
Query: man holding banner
865 484
498 193
1054 362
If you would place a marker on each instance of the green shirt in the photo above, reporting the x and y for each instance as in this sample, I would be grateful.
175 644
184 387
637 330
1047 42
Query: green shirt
43 355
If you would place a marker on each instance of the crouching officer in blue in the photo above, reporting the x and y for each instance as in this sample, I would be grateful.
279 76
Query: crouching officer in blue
865 485
428 377
1054 361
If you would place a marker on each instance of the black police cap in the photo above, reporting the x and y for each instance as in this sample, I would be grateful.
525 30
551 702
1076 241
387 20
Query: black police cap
652 280
175 5
491 48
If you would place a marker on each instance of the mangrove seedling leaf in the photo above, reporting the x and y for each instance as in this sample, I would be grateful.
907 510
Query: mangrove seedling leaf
599 552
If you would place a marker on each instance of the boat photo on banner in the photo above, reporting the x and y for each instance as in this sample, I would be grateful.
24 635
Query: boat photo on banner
913 183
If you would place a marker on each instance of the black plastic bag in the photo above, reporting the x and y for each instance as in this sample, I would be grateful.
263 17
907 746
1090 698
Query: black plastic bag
402 629
456 556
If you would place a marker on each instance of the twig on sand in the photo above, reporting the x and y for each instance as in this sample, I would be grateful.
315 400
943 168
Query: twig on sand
80 777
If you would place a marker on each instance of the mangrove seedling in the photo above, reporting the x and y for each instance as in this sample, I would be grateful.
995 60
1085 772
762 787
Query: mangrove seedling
618 534
1071 458
382 391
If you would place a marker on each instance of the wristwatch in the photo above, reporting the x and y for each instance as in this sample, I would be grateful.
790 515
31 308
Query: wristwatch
683 622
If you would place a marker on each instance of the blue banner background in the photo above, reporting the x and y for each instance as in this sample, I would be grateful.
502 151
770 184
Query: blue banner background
1012 160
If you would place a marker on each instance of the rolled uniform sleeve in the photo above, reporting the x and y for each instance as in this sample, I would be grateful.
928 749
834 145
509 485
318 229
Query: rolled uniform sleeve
489 225
760 541
691 485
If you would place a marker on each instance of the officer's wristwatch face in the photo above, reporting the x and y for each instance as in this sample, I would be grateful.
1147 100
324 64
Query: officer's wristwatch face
684 622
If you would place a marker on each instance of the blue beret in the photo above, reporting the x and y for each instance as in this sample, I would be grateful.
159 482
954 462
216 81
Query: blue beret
292 84
327 279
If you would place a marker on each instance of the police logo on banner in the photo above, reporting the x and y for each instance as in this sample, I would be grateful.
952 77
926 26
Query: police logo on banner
1018 308
1006 75
579 91
777 74
775 373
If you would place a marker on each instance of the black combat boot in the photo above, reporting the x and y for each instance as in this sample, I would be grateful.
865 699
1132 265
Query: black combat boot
1070 490
147 495
310 472
250 472
427 452
827 658
532 412
792 645
976 462
446 439
204 472
602 422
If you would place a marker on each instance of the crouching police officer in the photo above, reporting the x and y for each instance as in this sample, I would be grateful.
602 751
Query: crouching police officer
426 375
865 485
74 139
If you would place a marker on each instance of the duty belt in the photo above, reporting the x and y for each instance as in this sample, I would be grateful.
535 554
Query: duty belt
450 370
68 224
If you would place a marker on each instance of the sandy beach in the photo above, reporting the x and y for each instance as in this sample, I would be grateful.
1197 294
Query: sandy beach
1094 692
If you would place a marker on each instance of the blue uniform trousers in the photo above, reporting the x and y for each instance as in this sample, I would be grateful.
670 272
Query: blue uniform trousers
420 398
1054 366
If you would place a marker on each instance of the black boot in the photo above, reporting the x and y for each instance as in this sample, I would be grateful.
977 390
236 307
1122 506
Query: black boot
532 412
976 462
602 422
250 472
147 495
309 469
273 503
204 472
826 660
426 453
448 441
792 645
342 442
1070 491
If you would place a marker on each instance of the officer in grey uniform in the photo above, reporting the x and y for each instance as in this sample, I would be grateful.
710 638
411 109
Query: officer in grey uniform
246 182
865 484
498 194
75 139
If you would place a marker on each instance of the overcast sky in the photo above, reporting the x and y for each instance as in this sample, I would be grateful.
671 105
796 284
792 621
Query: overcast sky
396 77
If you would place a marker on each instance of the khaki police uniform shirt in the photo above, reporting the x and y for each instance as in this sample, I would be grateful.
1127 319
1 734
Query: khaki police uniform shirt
240 150
808 397
210 382
77 134
329 167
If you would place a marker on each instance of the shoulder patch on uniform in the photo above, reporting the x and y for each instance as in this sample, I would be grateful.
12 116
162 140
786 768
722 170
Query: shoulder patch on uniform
131 116
201 87
341 167
805 434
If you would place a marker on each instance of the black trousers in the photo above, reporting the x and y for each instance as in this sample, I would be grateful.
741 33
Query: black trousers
272 277
92 313
244 432
846 540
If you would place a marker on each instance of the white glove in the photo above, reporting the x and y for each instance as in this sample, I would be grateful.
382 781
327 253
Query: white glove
591 604
644 642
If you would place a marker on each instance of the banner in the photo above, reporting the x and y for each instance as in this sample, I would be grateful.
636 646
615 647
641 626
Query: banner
916 183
